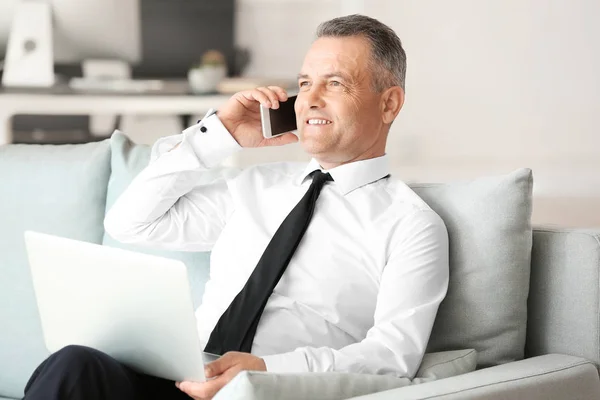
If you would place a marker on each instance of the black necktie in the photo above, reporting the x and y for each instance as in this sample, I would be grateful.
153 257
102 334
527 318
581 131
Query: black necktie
237 326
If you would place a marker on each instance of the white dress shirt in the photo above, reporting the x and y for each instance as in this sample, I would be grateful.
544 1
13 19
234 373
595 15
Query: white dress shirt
363 287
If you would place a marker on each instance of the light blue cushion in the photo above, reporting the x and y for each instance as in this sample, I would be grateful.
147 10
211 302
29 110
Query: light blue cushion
59 190
127 160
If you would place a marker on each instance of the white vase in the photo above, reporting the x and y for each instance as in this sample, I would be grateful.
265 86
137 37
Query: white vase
206 78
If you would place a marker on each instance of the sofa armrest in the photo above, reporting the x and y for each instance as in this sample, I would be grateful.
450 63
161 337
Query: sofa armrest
549 377
564 294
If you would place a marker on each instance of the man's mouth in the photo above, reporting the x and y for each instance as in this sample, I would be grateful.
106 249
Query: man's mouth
318 121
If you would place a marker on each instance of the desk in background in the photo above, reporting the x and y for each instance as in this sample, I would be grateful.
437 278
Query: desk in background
61 100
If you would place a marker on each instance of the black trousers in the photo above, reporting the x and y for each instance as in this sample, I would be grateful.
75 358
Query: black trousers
82 373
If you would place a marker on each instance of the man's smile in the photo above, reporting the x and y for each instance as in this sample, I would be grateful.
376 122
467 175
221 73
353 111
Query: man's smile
315 121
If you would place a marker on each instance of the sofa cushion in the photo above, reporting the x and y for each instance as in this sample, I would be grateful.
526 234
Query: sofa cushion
331 385
59 190
127 160
489 226
254 385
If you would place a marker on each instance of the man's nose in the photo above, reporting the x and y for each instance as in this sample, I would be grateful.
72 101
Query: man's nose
314 98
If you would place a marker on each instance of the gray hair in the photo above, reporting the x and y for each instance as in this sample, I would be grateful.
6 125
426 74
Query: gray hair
388 56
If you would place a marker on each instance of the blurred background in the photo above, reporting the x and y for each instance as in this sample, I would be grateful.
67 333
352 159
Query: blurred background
491 85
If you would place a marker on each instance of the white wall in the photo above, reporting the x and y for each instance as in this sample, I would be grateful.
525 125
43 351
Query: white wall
278 32
491 86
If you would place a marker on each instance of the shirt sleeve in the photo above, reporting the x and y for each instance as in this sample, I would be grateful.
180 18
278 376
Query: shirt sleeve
180 201
413 284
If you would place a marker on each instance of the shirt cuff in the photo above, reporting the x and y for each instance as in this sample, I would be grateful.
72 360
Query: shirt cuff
211 141
164 145
292 362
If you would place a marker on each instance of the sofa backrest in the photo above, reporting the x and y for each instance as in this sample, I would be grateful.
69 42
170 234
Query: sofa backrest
564 293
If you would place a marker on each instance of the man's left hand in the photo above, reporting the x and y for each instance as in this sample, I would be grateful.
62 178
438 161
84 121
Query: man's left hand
222 370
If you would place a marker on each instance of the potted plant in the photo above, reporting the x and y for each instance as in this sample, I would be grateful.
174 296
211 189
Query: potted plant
206 75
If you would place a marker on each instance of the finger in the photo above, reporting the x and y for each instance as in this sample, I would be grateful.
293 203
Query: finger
273 97
257 95
283 96
206 390
196 390
221 364
286 138
217 384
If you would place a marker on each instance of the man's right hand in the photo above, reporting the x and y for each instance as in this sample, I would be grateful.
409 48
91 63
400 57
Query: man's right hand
241 116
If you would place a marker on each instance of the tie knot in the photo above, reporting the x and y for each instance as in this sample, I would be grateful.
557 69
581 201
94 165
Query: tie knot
319 176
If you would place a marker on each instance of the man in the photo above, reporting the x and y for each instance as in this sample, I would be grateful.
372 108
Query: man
355 290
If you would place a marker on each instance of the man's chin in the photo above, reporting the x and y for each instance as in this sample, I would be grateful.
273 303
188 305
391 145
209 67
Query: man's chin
313 147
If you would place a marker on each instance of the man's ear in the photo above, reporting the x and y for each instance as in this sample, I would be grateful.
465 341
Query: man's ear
392 101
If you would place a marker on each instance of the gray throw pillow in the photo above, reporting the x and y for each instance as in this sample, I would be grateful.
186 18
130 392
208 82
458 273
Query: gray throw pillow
489 226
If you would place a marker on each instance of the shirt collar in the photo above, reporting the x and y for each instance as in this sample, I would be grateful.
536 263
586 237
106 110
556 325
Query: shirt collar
348 177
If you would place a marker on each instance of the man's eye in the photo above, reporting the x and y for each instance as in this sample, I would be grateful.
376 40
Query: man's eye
335 83
303 83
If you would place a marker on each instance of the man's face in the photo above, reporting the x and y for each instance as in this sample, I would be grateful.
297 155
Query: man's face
337 111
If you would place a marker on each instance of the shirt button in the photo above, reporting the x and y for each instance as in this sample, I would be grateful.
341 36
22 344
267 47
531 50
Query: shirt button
203 129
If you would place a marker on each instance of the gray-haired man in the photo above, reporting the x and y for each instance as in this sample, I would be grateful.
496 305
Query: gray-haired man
359 287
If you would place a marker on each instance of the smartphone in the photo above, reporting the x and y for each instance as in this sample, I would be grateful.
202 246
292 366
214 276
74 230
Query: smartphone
280 121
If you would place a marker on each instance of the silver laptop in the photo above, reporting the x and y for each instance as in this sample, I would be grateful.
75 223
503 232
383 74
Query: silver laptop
134 307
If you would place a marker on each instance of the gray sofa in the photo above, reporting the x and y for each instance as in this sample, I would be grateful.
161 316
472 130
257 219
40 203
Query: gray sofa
527 300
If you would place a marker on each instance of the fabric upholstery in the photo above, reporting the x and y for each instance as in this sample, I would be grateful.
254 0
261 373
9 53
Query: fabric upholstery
446 364
127 160
549 377
489 226
565 293
59 190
